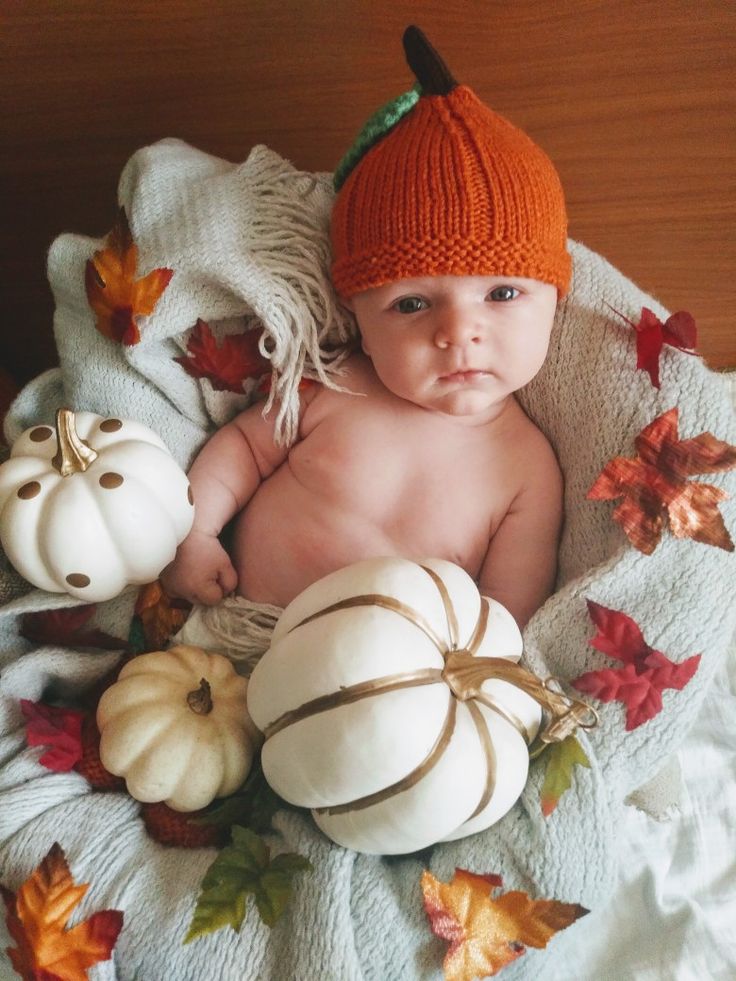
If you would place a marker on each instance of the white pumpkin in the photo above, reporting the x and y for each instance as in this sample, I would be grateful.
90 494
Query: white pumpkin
176 727
368 713
93 507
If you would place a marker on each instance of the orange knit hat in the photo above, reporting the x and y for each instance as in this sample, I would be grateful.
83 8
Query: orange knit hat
446 187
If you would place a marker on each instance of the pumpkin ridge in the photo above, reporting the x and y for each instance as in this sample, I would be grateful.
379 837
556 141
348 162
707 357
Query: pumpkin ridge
453 628
506 714
490 755
411 779
354 693
385 603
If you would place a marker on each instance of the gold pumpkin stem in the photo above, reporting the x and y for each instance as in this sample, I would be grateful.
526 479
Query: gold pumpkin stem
73 455
200 700
465 675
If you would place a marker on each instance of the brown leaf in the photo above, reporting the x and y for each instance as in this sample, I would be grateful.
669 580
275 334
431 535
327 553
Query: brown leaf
161 615
115 295
37 916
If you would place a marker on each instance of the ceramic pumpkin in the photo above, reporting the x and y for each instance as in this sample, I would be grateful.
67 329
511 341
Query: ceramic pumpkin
176 727
381 711
93 507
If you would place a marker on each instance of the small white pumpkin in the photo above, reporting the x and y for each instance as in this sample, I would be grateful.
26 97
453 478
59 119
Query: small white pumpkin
373 712
176 727
93 507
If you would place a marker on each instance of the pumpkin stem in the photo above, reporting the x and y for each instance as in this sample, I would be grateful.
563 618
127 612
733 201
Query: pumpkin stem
200 700
465 675
73 455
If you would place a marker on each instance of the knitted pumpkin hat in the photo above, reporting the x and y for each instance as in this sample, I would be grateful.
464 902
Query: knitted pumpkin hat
439 184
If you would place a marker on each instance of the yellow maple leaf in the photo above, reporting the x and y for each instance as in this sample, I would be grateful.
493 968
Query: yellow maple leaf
486 934
114 293
37 916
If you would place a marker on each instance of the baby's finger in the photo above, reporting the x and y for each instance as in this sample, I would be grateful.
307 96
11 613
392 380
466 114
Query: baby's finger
228 579
209 593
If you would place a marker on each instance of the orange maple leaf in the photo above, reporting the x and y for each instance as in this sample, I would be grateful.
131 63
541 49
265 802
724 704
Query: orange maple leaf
114 293
37 916
487 933
655 488
160 614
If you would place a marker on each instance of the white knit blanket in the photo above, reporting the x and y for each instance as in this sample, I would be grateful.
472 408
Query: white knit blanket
248 242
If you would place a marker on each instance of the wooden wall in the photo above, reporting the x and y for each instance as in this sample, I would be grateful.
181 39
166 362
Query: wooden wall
633 100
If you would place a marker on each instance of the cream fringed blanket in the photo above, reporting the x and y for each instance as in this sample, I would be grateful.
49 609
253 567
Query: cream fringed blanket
248 243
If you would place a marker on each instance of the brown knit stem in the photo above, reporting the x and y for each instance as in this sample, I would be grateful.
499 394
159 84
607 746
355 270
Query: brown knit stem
432 73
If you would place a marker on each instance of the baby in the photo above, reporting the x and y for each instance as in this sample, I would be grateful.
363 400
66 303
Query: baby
449 245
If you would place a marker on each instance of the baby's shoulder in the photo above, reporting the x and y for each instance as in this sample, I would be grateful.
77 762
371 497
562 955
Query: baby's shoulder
531 450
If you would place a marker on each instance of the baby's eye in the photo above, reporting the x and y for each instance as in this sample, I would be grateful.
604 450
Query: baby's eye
410 304
503 293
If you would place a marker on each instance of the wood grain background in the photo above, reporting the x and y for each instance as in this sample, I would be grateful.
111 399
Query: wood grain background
633 100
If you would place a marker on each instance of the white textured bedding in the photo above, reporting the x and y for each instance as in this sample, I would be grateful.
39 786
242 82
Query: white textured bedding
673 916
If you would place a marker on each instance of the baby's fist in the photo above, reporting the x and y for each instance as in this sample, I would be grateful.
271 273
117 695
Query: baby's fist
201 571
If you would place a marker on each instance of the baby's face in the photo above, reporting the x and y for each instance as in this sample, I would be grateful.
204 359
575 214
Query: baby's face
459 345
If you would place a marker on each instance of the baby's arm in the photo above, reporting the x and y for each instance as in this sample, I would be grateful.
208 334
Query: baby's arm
224 476
521 562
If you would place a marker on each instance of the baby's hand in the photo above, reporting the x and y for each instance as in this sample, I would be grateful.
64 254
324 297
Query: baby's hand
201 571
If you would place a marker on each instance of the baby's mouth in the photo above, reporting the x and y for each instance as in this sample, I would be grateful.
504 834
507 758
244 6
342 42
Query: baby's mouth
466 376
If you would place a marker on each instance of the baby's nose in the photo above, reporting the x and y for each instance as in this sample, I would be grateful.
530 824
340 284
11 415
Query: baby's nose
456 329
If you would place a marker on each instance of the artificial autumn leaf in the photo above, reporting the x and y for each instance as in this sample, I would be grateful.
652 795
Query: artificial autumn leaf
487 933
113 292
655 488
244 867
561 758
227 365
159 616
252 806
59 728
63 628
646 672
37 916
678 331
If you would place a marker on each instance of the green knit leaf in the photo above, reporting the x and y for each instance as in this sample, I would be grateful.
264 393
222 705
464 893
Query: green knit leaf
380 123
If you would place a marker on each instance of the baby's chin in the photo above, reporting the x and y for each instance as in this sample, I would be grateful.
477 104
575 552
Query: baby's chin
471 405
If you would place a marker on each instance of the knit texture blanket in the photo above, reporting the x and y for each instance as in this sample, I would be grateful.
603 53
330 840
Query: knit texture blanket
248 244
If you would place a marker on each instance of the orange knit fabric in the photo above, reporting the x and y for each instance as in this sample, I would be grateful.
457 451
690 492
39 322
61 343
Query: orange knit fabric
455 189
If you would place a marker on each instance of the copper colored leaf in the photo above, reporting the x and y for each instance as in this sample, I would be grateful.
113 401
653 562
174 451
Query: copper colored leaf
37 917
645 674
562 758
228 364
160 615
655 491
115 295
59 728
485 933
63 628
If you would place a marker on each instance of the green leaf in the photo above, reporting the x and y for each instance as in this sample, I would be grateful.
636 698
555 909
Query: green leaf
561 759
244 867
136 636
253 806
378 125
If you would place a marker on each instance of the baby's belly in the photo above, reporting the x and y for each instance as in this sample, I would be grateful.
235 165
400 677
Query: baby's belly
289 536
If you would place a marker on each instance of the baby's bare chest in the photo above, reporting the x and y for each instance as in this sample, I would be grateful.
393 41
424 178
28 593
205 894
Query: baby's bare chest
413 477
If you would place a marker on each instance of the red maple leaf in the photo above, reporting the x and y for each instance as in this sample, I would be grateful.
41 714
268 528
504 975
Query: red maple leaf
678 331
228 364
646 671
655 489
59 728
63 628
